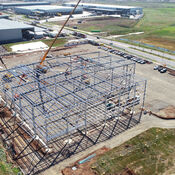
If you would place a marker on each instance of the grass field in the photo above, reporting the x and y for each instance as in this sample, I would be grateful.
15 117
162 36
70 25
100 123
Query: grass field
113 26
59 42
5 167
158 25
152 152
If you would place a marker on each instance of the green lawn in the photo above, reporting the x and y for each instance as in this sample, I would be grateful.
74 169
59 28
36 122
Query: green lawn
59 42
152 152
5 167
157 22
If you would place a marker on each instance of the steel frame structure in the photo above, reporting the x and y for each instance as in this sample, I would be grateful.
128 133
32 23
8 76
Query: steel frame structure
82 100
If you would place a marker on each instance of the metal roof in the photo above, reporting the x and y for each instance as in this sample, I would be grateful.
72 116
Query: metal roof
8 24
45 7
108 10
23 3
103 5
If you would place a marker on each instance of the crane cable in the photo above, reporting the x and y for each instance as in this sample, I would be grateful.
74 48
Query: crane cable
3 62
44 57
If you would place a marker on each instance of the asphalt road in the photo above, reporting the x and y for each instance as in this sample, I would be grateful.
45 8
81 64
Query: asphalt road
138 51
132 49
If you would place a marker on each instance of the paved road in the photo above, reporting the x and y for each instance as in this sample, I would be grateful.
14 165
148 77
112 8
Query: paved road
155 52
145 53
131 49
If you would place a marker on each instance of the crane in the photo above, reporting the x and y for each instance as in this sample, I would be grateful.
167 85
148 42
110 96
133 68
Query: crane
41 67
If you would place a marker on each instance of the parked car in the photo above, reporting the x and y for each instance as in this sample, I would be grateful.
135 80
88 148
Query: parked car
156 67
116 52
142 62
163 70
129 56
138 60
111 51
134 59
125 56
160 68
120 53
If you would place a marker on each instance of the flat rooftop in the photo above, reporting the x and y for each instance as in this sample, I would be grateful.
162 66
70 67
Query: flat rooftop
103 5
8 24
45 7
22 3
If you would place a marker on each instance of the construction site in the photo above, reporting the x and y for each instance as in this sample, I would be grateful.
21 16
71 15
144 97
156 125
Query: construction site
64 104
79 101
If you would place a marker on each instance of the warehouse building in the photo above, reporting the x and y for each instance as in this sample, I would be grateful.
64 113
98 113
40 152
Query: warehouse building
46 10
13 5
12 31
4 16
109 9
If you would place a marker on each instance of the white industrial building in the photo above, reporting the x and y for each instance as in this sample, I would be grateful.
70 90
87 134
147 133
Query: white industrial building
11 31
46 10
17 4
108 9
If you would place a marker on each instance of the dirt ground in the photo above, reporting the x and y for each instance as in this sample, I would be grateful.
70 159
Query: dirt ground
160 94
83 169
118 21
159 42
167 113
26 58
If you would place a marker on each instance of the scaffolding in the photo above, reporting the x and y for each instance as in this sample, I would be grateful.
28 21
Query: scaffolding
79 101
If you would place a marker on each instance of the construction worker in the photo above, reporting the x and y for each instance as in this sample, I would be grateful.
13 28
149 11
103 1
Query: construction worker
7 77
67 73
85 79
16 97
87 82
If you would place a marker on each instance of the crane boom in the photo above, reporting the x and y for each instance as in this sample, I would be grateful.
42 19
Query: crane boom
44 57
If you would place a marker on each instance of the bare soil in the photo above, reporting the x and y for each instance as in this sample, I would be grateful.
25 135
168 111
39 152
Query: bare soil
84 169
27 58
159 42
167 113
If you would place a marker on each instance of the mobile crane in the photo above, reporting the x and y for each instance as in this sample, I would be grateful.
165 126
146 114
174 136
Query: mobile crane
41 67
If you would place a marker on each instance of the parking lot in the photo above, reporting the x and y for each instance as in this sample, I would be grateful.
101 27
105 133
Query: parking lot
124 55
